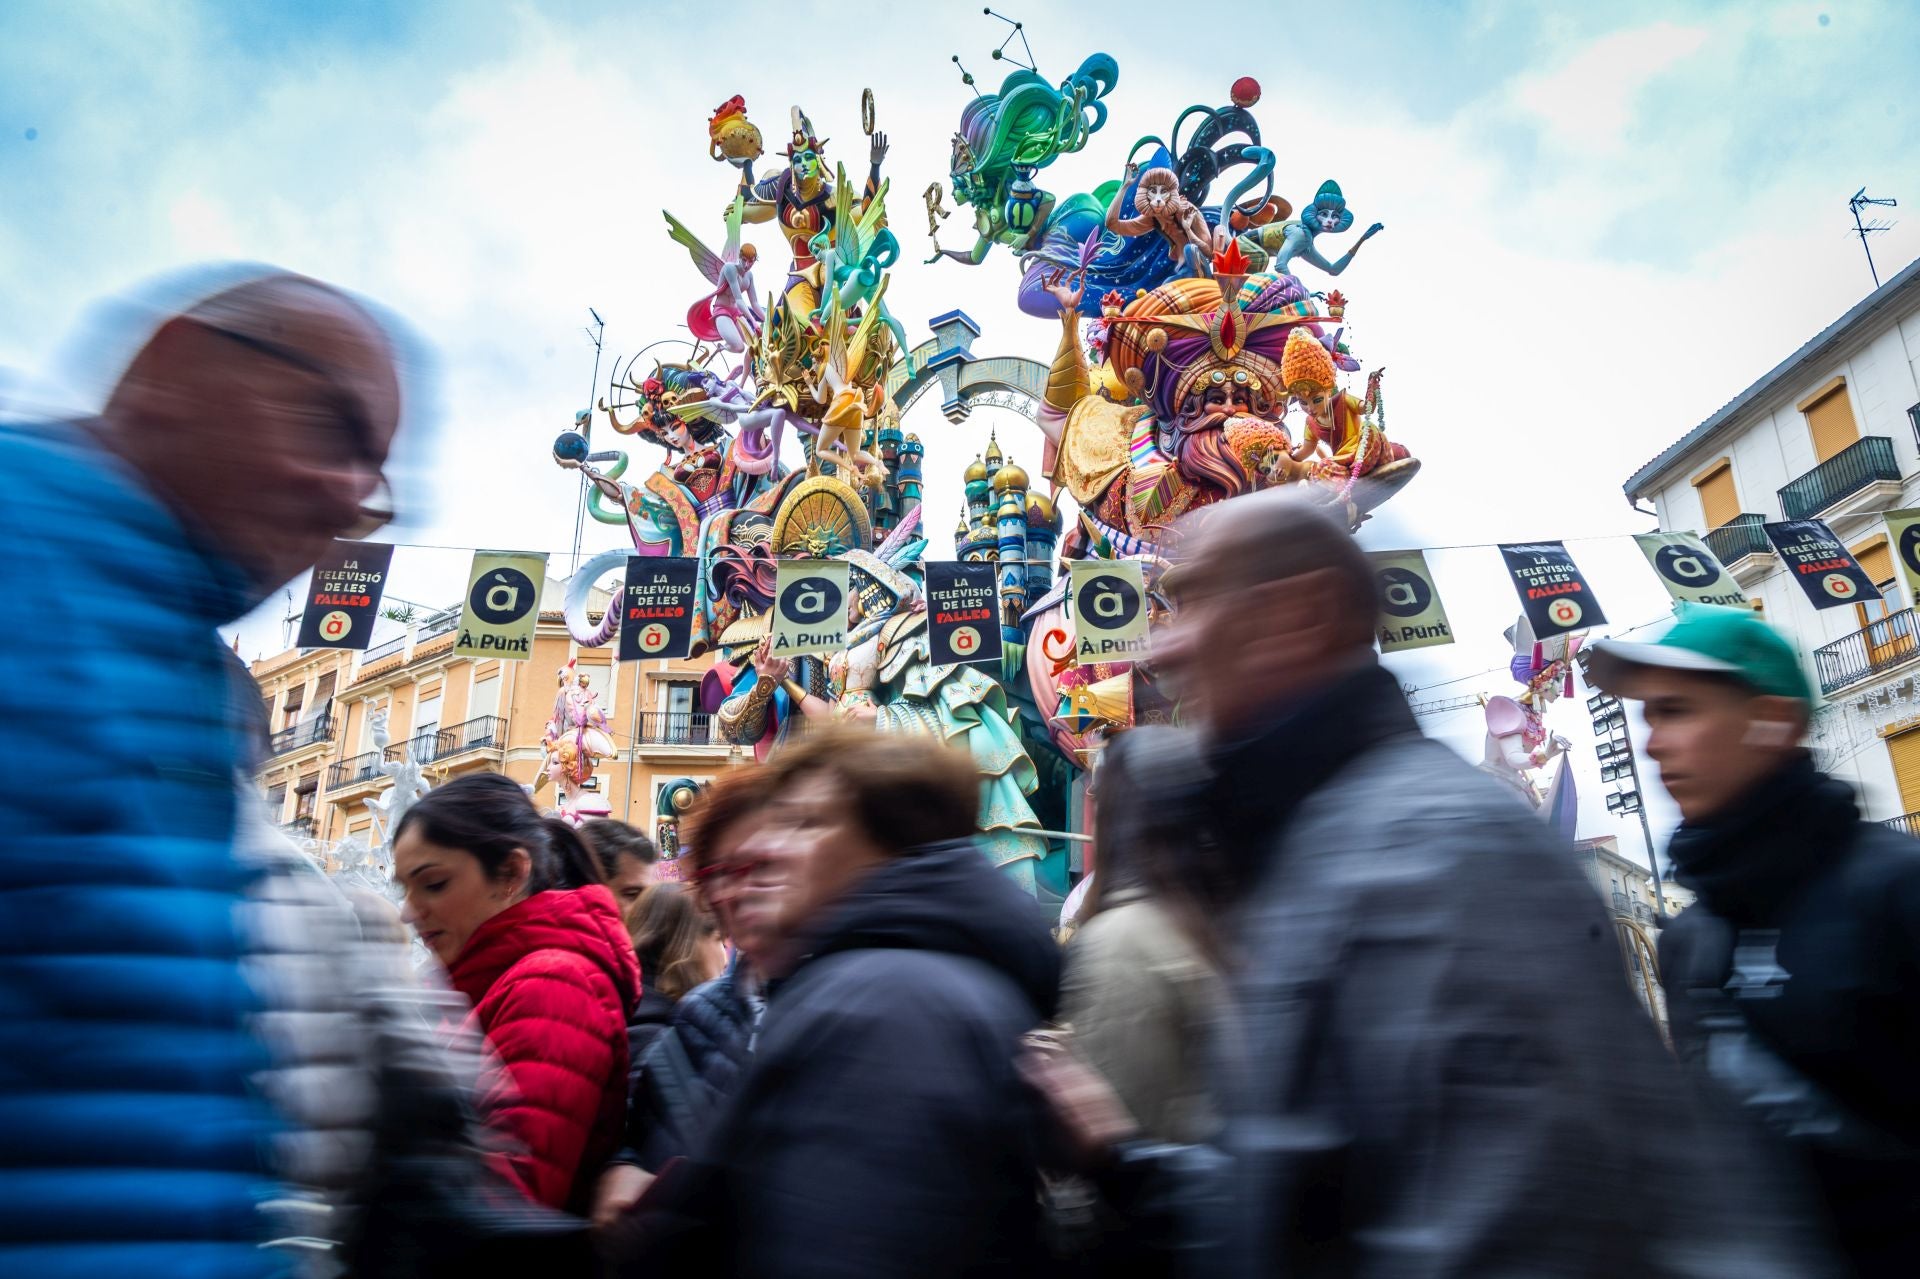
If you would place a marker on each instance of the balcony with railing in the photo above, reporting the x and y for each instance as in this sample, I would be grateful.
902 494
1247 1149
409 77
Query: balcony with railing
1738 538
298 828
1871 651
358 771
484 733
1867 472
1906 824
433 627
309 733
678 728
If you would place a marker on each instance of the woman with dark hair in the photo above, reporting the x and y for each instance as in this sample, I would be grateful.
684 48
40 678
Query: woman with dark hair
1143 984
513 904
881 1127
679 947
628 860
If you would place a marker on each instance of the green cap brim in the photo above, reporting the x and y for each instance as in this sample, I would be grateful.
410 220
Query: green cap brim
1614 663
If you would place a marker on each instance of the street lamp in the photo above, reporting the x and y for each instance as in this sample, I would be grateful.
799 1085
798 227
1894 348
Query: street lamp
1613 746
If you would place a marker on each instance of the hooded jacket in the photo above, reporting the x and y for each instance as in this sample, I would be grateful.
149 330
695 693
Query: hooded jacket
551 979
881 1128
1436 1066
1791 983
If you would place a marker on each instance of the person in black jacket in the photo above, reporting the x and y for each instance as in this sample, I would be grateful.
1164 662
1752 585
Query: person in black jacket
882 1127
1794 980
676 1086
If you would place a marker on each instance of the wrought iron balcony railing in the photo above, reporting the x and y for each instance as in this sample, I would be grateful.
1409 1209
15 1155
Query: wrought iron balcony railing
1873 650
299 827
1906 824
1738 538
485 732
351 772
317 729
1867 461
678 728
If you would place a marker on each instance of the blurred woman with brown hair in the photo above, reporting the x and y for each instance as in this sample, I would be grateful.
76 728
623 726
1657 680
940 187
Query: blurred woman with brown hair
1143 985
679 947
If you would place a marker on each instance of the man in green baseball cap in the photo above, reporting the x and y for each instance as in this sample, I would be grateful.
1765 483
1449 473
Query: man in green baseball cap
1793 983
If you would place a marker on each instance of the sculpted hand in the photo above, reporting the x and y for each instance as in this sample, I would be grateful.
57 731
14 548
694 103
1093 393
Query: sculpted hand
771 669
877 151
1371 231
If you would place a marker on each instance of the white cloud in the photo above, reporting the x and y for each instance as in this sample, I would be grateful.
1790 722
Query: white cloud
490 179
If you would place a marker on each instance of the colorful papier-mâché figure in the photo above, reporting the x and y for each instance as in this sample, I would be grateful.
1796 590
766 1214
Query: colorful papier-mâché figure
801 199
1348 428
730 315
1327 215
1006 138
1159 206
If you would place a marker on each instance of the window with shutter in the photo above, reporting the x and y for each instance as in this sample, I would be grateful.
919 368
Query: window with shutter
1719 502
1830 421
1904 750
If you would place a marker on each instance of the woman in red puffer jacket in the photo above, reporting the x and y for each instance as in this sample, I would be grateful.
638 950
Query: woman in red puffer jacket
512 903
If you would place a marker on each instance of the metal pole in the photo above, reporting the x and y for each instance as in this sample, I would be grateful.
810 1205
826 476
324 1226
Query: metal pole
598 333
1861 231
633 726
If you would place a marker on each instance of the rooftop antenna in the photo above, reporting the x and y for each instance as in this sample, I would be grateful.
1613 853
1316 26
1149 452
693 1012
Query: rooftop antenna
595 335
1019 29
288 622
1860 201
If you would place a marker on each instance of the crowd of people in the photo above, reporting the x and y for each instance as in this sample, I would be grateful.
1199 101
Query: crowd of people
1287 1037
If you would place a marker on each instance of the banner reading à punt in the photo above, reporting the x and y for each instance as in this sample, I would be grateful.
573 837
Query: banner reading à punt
503 604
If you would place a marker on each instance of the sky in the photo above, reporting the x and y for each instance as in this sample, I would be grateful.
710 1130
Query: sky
1602 222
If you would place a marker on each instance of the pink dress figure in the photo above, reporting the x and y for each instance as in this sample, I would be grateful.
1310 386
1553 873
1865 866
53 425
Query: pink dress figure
576 740
730 316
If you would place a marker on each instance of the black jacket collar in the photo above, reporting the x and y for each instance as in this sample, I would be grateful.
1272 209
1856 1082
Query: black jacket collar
1259 780
1748 862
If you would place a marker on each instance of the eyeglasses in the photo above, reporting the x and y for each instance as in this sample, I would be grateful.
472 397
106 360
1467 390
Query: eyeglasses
727 872
346 422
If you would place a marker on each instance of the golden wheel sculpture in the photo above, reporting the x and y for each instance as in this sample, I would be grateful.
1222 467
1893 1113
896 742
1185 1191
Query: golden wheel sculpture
822 517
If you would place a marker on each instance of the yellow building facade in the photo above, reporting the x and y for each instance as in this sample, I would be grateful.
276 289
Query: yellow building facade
458 714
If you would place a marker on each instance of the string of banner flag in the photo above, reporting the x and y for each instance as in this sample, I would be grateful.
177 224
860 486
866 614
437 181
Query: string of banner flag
1108 599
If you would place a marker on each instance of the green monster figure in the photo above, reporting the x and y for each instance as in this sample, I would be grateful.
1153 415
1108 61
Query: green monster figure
1008 137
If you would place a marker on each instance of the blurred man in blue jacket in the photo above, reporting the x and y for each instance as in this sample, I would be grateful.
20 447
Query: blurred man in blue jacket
249 430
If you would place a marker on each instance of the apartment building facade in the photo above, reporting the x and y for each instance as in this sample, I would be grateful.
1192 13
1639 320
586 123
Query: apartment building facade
456 714
1830 433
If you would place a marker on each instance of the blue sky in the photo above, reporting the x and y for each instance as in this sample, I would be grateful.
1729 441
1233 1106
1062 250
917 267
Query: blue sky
1602 220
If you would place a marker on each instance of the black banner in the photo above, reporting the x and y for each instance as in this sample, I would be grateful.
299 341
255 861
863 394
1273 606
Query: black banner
1821 563
1556 598
343 596
963 613
656 607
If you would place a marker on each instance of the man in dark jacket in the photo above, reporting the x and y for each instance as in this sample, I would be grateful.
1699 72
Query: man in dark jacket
881 1128
1436 1068
1794 980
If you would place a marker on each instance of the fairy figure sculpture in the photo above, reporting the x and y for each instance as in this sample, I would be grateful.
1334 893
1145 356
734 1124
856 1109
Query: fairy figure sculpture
730 315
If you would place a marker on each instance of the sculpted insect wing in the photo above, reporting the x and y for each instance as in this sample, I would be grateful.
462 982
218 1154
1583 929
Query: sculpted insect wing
704 259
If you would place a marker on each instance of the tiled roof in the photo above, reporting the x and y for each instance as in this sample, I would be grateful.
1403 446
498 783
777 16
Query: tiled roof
1794 365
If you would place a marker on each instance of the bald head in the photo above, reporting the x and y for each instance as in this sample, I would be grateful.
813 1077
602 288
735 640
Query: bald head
262 416
1271 599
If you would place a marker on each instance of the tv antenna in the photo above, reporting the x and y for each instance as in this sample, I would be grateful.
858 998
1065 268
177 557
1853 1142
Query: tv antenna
596 335
1873 226
288 622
